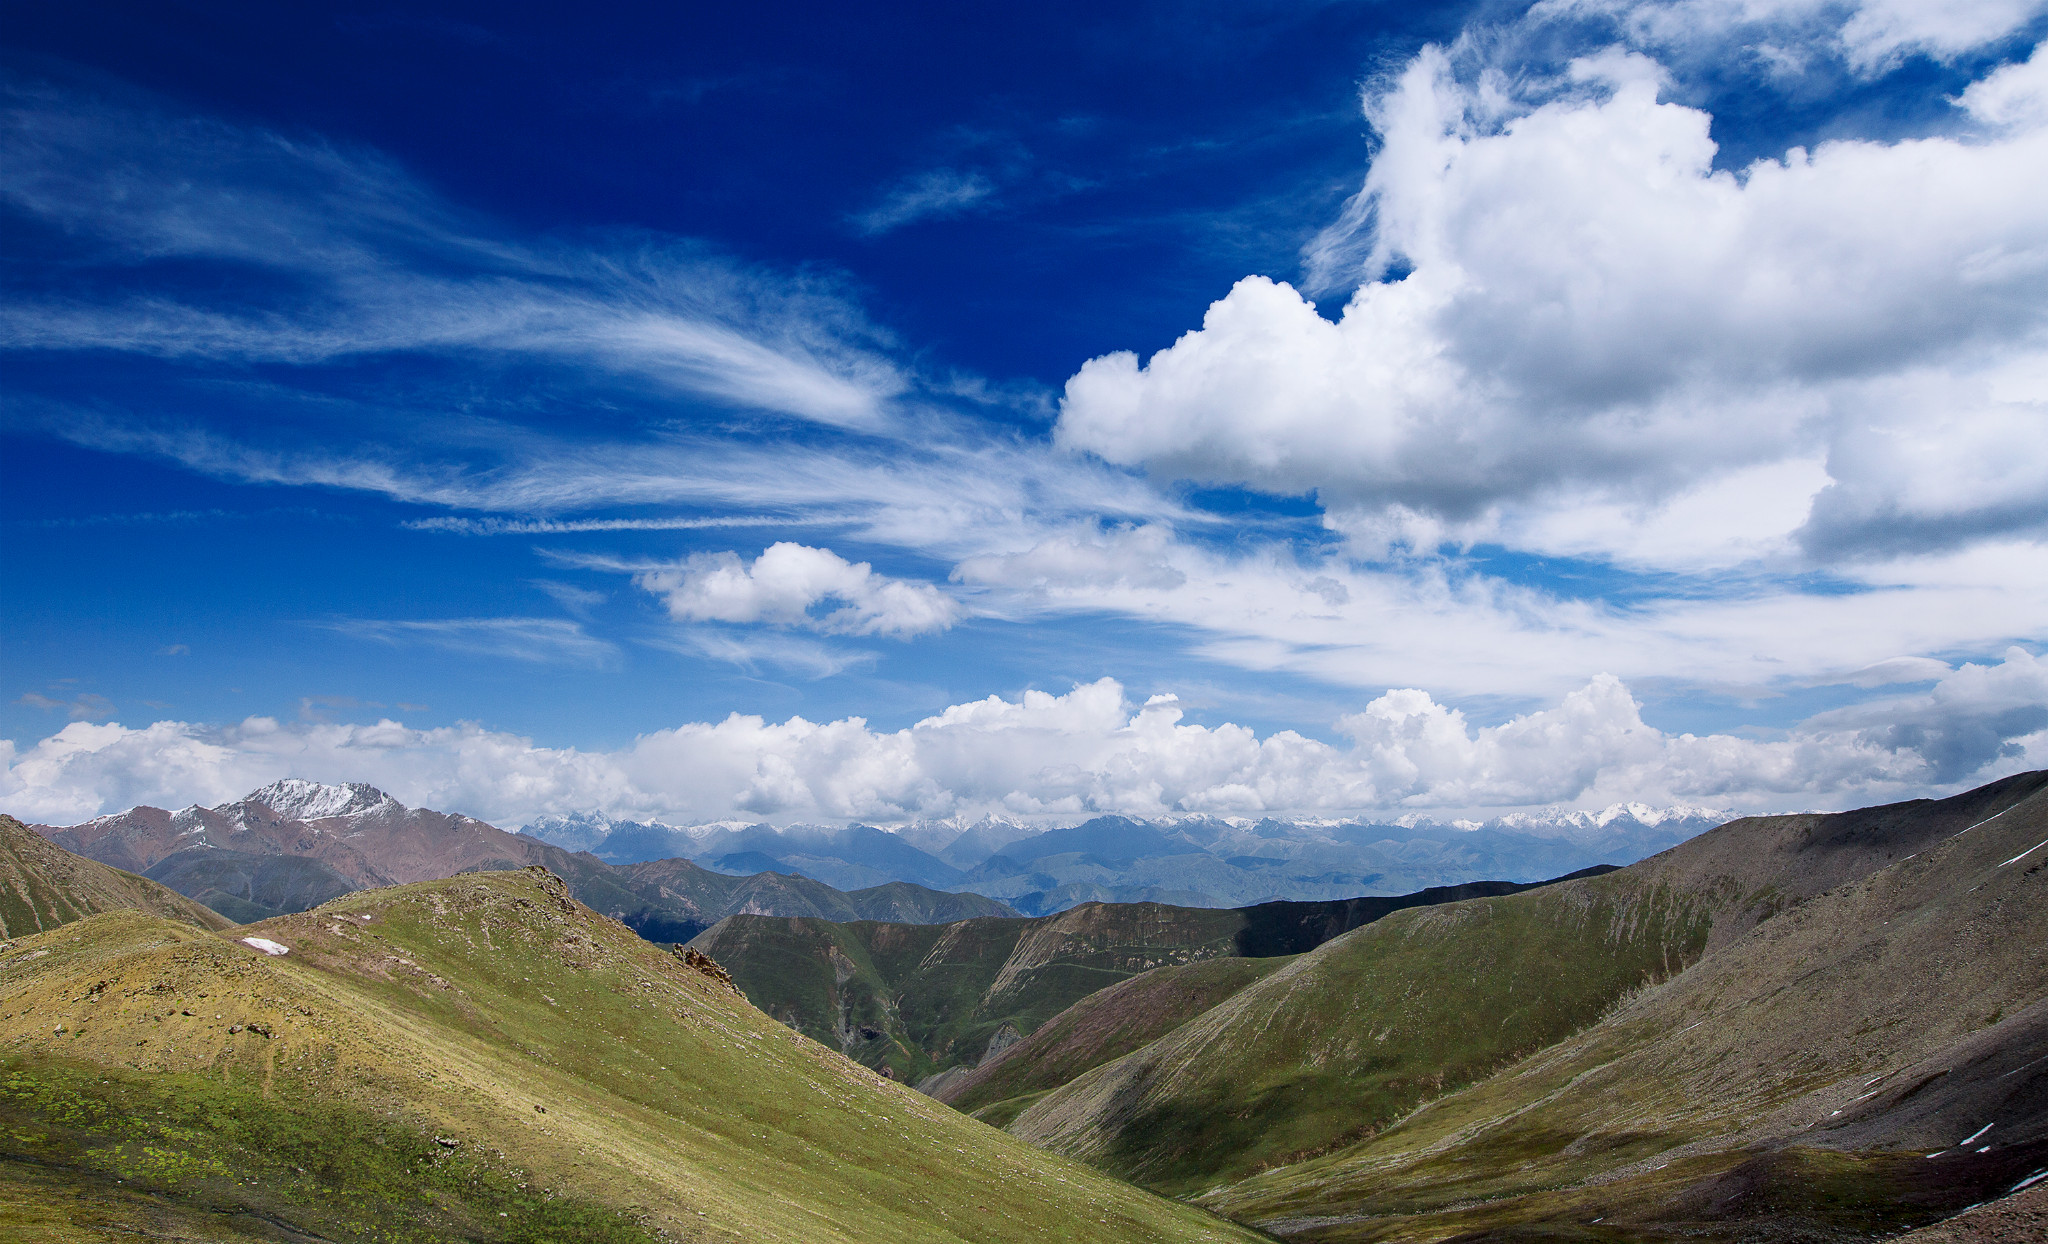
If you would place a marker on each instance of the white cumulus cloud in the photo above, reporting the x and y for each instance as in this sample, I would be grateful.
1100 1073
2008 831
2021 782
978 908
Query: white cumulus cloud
1087 751
786 586
1592 321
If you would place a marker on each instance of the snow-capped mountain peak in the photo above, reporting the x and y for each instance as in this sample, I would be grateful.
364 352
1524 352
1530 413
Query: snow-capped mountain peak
299 800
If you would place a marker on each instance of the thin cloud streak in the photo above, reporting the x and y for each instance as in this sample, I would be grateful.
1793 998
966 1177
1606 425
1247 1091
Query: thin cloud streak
551 527
385 267
544 641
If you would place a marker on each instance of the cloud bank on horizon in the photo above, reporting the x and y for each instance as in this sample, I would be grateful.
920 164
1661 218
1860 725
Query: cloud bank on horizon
1787 413
1067 757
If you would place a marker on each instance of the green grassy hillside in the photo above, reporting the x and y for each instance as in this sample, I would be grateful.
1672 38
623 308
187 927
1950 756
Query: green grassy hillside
476 1058
921 1003
916 999
1353 1034
1105 1025
1813 1080
43 886
1663 1048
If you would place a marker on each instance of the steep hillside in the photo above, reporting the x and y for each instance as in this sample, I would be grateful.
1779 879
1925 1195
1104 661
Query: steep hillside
1105 1025
249 885
43 887
1728 993
1356 1032
1865 1061
294 844
1291 928
475 1058
920 1003
913 1000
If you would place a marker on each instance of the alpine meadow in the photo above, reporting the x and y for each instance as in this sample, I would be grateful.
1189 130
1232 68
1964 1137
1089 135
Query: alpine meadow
933 624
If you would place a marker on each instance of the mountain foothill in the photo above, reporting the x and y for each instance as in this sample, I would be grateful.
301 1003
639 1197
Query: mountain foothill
1822 1026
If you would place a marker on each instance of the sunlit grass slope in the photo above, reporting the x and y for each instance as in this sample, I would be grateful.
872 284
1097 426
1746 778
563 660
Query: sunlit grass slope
476 1058
1811 1081
43 886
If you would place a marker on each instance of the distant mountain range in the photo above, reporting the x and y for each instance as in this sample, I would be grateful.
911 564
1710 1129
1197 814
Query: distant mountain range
294 844
1187 862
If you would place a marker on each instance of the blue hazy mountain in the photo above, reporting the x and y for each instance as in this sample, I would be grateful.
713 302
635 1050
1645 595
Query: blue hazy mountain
1198 861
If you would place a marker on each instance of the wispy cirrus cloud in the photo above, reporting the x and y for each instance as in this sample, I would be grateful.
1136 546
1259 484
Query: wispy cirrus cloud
78 706
549 641
339 253
933 194
574 526
754 652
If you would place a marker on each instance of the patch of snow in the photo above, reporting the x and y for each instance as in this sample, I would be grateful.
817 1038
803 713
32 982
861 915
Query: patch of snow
2024 854
1986 821
267 946
1974 1135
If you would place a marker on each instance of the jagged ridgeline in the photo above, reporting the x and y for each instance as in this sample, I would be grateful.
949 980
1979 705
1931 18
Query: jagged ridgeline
1795 1027
921 1001
477 1058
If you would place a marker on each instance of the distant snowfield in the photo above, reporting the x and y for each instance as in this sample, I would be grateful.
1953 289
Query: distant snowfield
267 946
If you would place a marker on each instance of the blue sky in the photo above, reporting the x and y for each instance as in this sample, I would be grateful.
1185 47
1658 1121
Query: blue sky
806 413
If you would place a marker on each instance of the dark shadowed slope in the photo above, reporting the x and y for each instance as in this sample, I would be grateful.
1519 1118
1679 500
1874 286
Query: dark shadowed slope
1840 996
248 885
44 887
478 1058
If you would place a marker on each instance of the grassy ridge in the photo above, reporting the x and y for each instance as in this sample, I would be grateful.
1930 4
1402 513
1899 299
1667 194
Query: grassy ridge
1351 1036
1105 1025
1356 1033
1790 1085
915 999
579 1069
919 1002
